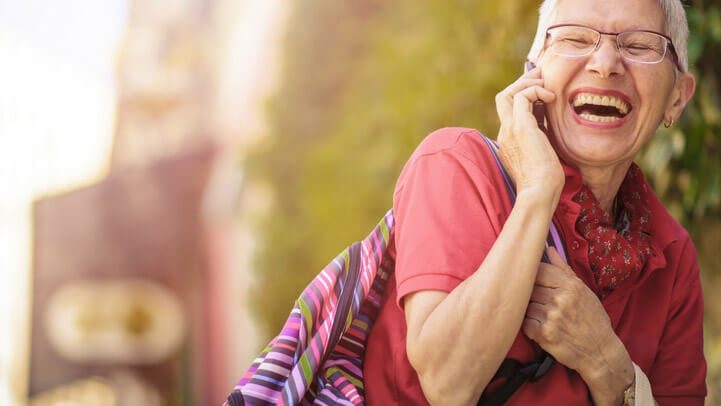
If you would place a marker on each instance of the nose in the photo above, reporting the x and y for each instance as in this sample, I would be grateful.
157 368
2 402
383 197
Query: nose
606 60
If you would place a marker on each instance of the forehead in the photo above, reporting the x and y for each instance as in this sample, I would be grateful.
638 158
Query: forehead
612 15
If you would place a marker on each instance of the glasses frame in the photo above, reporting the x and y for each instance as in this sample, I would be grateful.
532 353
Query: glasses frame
669 43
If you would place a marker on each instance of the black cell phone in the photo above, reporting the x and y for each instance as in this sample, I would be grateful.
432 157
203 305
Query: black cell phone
539 108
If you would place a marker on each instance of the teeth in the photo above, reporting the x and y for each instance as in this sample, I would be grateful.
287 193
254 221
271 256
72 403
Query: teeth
590 98
599 119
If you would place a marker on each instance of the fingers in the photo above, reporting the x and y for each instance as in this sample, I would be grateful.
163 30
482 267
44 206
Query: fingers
504 99
536 311
536 325
534 73
542 323
554 256
524 149
542 294
523 100
550 276
556 259
514 104
517 114
531 328
520 84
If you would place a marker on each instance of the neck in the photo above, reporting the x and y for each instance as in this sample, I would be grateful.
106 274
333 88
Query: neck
604 183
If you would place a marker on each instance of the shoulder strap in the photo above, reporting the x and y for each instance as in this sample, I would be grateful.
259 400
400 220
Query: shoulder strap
517 373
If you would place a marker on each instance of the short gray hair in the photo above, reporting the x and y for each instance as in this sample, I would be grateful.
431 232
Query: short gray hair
676 28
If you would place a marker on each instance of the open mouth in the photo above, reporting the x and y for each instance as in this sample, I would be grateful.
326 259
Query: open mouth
600 108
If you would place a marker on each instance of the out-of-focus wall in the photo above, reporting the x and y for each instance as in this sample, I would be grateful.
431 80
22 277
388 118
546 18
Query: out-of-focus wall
119 87
56 124
194 72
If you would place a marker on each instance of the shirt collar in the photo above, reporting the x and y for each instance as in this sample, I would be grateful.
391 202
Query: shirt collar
664 228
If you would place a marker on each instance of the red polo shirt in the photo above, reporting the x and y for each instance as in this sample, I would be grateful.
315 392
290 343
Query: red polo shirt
450 204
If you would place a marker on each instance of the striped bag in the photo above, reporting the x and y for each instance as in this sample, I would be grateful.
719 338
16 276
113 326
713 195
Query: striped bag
317 359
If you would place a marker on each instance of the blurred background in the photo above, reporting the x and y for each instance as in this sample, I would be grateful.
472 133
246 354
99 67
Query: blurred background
174 172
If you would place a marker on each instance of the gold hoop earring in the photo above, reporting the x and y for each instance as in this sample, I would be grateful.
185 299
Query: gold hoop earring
667 124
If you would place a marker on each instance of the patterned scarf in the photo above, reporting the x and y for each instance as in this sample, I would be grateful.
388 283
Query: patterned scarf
616 253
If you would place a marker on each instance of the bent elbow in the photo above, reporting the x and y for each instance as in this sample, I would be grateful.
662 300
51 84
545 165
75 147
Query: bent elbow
439 388
446 393
419 360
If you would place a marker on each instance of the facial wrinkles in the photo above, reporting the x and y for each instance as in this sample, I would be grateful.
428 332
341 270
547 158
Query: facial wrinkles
577 77
633 80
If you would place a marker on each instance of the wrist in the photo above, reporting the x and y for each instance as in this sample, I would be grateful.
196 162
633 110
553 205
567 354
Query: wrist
609 375
538 198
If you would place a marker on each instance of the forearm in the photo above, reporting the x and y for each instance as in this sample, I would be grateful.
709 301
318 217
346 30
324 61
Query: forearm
464 339
609 374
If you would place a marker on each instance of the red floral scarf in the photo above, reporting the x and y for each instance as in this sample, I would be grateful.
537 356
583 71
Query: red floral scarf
616 252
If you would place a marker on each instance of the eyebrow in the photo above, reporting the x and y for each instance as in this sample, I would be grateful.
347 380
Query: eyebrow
638 27
630 27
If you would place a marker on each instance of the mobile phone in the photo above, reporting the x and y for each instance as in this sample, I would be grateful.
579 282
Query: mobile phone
539 108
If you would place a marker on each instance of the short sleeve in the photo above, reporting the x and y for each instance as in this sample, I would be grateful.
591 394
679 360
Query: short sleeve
448 215
678 375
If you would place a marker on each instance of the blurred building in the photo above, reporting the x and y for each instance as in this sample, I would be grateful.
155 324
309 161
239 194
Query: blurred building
167 80
191 77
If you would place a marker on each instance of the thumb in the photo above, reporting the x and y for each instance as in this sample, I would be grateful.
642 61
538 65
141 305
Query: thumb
556 259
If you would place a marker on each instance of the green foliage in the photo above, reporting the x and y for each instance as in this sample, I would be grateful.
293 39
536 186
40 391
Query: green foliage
362 86
684 162
364 82
323 43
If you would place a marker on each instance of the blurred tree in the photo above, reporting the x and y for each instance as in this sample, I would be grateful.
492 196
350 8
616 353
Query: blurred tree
365 82
323 43
684 162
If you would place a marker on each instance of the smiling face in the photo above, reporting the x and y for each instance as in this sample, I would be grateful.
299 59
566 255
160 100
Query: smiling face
607 108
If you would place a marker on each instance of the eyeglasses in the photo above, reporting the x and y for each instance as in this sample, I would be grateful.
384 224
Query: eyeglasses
640 46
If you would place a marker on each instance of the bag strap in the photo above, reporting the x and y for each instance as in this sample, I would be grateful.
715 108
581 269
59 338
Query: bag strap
235 399
343 308
517 375
512 369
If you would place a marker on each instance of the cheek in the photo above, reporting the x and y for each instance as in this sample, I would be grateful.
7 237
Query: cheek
655 93
556 76
557 86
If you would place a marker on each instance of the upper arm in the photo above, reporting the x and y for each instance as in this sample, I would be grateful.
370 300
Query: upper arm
448 214
418 306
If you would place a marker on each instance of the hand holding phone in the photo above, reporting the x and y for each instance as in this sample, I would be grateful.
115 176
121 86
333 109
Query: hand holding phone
524 142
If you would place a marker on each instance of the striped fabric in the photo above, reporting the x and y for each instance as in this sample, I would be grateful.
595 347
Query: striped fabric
317 359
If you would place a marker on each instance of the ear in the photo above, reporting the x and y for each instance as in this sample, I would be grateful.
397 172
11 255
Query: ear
680 95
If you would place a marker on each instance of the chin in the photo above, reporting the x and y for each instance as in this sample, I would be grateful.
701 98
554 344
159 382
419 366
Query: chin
593 150
581 145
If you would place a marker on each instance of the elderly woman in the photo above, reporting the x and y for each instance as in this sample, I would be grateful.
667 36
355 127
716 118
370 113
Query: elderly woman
625 308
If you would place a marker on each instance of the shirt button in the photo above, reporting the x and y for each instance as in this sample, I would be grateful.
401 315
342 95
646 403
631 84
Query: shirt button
575 245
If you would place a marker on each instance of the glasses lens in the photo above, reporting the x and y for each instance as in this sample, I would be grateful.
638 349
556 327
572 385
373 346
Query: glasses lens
572 41
640 46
